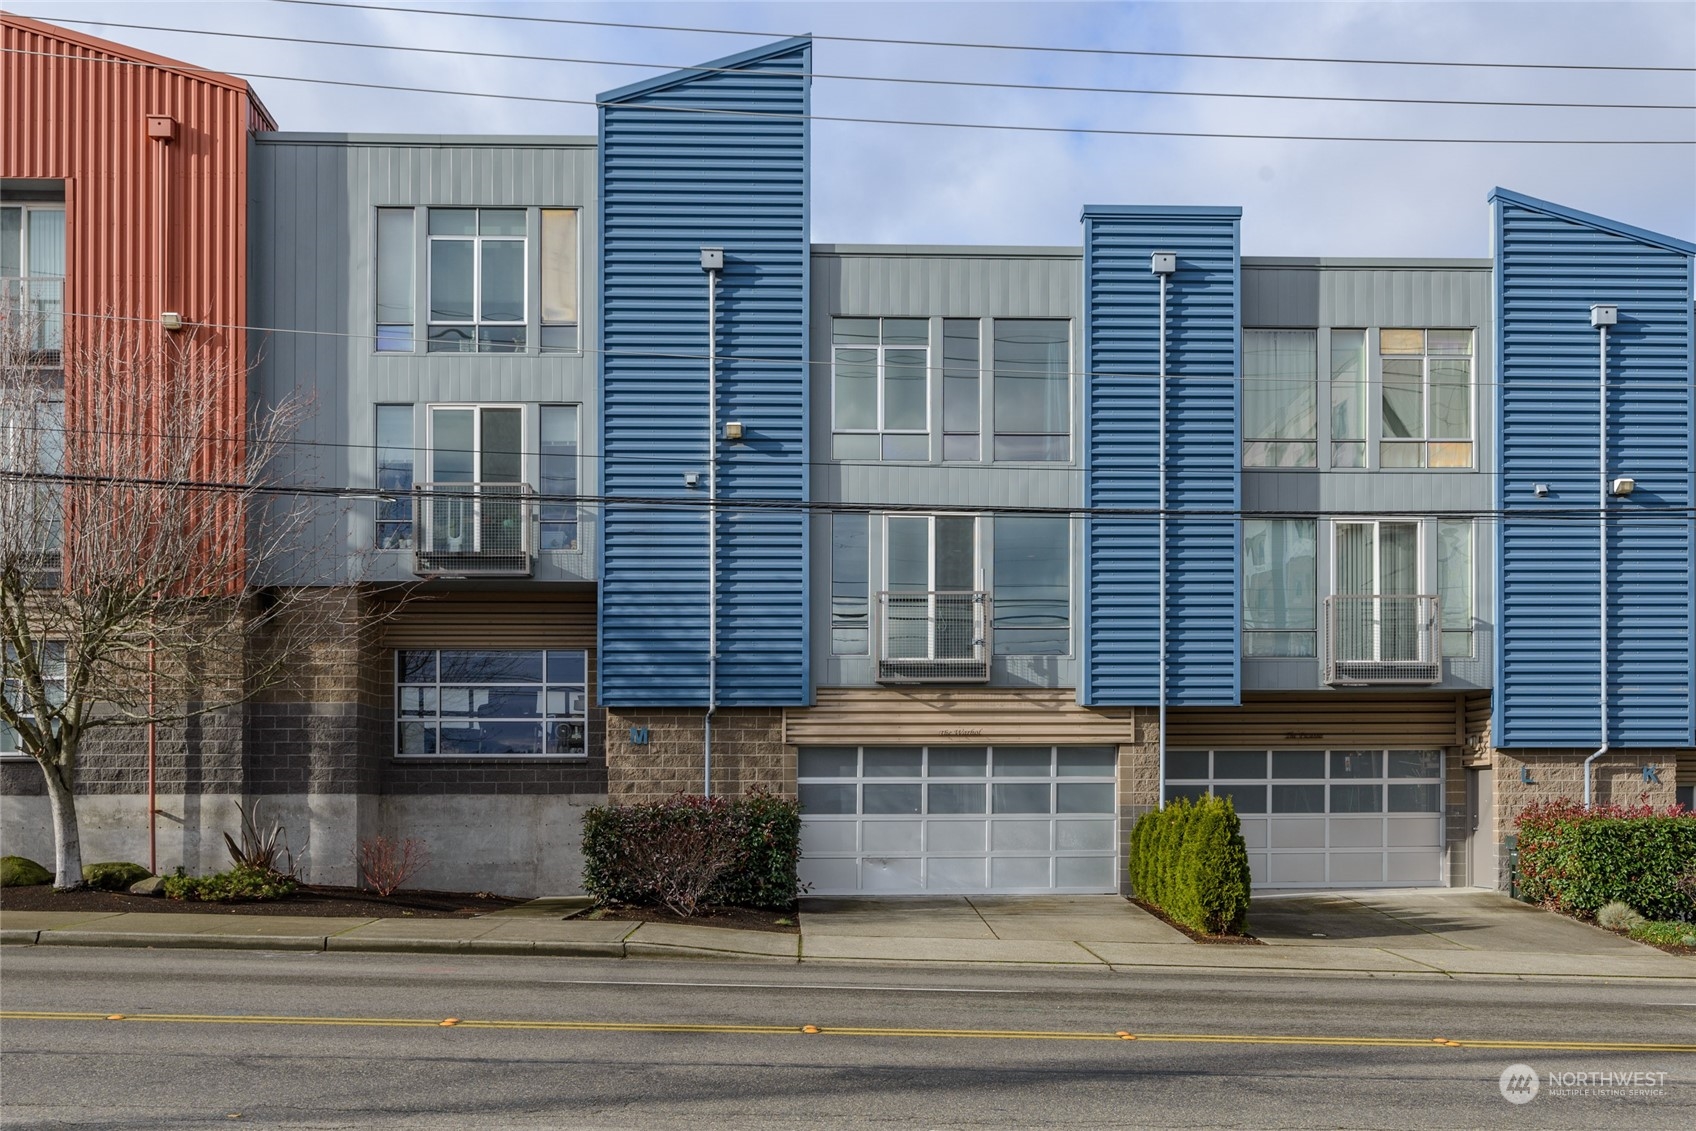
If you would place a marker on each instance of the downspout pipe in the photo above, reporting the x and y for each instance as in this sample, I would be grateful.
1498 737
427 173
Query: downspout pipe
1163 264
712 262
1601 317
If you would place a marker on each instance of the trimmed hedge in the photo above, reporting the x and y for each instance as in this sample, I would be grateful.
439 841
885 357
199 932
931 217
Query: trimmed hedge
1189 860
1577 860
694 850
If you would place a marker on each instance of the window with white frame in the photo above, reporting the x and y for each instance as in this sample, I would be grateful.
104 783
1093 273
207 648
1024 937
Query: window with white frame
881 379
496 280
51 669
1280 395
477 479
32 270
508 703
1032 389
1427 398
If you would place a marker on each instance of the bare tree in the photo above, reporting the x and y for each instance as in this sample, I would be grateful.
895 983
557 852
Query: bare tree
137 505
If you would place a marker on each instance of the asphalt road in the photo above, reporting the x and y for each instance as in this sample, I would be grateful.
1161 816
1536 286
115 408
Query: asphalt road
355 1041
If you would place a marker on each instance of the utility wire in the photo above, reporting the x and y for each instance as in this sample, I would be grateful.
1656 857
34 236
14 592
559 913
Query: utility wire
508 56
1027 47
711 112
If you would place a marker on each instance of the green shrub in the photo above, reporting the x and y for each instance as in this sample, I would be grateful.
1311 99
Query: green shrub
1616 916
1189 860
688 852
1665 934
22 872
114 875
1576 860
240 884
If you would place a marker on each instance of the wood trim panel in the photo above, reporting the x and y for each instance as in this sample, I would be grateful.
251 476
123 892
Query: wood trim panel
1316 721
920 717
494 620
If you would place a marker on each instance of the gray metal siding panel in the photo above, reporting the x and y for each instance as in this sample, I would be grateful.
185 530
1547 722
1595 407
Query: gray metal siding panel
1121 650
1553 265
673 181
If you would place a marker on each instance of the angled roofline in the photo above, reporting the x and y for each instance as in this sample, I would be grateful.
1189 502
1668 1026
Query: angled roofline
729 62
136 55
1232 211
1671 243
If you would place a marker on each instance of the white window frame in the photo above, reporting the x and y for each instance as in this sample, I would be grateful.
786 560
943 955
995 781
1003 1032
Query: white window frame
1375 343
51 330
11 748
477 241
525 430
881 349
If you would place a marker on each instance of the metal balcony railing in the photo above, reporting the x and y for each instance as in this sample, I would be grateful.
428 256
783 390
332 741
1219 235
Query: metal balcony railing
1375 638
474 529
933 637
38 304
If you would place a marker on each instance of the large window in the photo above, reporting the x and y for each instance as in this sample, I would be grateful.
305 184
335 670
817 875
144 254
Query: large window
882 388
1033 390
1280 587
496 280
52 671
1032 571
1280 410
505 704
477 477
32 270
1427 398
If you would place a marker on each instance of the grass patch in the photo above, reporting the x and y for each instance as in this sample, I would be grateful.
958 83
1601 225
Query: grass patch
1679 938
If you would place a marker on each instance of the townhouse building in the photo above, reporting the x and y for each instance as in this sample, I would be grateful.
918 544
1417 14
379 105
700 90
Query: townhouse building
978 551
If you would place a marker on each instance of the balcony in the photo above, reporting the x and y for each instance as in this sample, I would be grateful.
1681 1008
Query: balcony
1375 638
933 637
37 306
474 529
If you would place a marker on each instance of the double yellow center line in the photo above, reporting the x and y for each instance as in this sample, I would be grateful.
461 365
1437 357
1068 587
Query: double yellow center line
849 1031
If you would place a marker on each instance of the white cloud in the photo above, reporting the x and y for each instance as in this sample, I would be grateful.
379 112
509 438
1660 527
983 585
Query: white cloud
920 185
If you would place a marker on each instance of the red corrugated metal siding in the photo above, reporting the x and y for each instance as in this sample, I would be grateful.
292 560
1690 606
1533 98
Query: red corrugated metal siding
151 226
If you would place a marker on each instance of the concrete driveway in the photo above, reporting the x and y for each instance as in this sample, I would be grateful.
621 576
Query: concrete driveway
1028 918
1426 919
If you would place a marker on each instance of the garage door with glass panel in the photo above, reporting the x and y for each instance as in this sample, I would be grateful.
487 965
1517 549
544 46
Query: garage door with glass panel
957 819
1327 818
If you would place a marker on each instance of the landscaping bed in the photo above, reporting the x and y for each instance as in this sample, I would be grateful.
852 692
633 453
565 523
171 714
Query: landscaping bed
1195 935
307 900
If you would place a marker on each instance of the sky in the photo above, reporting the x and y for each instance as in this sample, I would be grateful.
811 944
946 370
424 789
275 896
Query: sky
881 183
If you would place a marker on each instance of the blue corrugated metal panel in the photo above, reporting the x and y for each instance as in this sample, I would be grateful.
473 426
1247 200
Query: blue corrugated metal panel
689 160
1121 346
1552 264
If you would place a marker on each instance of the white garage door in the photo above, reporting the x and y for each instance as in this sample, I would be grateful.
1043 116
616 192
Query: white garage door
1327 818
955 819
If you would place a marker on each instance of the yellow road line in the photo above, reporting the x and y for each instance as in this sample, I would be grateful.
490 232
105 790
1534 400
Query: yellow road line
853 1031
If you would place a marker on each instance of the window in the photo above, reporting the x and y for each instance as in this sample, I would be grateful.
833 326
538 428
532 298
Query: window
1280 588
504 704
961 408
1454 584
32 271
396 251
882 388
558 510
394 476
1280 411
1348 398
497 280
849 584
52 672
931 572
1033 399
1033 584
1427 398
477 478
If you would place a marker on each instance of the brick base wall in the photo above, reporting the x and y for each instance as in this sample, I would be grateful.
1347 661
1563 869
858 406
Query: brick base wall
1139 784
1617 777
747 753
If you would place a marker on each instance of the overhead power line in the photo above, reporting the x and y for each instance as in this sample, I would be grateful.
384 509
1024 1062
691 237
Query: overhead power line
717 112
510 56
1026 47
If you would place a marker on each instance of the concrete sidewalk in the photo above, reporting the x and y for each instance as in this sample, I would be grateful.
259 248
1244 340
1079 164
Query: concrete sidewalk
1432 934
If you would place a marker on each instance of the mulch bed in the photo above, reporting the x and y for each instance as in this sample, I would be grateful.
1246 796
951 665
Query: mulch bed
324 901
739 918
1228 940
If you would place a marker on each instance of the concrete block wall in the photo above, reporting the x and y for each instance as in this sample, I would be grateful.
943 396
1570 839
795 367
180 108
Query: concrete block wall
747 753
1139 784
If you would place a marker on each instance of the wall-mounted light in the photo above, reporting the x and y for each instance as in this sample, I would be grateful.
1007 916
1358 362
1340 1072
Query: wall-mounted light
732 429
691 479
712 259
1163 262
1622 487
1541 490
171 320
1604 314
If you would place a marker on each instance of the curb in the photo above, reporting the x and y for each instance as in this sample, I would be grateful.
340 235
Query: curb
12 937
180 942
345 944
